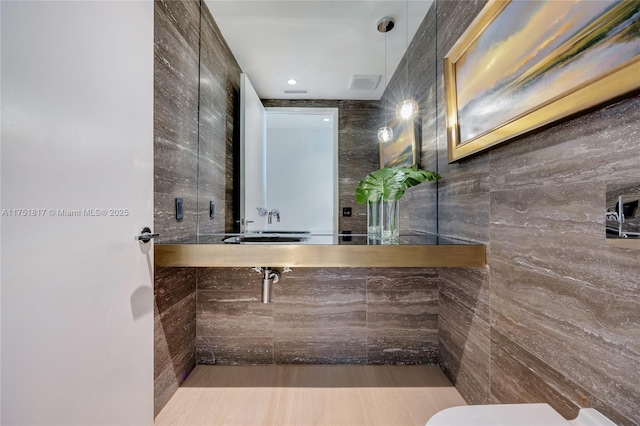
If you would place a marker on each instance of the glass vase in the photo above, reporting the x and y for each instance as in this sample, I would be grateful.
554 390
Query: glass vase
390 222
374 223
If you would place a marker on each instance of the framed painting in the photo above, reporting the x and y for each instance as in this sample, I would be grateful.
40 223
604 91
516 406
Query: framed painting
404 149
522 65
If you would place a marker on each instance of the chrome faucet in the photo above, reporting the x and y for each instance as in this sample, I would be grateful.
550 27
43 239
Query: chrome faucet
274 212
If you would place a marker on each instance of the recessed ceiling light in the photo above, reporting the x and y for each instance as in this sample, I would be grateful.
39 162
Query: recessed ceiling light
292 82
326 119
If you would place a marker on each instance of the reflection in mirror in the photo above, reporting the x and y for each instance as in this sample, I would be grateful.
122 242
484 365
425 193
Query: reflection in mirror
239 26
622 213
288 163
301 170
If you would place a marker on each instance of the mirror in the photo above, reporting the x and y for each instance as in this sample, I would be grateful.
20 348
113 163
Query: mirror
222 200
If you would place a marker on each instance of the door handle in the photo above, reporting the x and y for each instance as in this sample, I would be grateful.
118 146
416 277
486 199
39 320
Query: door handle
145 235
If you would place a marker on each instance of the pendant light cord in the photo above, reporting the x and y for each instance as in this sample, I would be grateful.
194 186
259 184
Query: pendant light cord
406 55
384 89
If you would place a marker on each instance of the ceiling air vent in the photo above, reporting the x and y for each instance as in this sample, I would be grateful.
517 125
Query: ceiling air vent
364 82
295 92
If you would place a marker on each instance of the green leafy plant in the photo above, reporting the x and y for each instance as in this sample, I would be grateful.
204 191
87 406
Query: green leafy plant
390 183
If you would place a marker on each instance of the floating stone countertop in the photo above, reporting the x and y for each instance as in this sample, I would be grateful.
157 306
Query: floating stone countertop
323 251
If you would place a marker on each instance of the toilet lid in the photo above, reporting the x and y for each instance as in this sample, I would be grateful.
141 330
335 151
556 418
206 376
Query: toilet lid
499 415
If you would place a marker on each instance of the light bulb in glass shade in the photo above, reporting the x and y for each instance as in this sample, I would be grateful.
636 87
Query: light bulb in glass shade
385 134
407 110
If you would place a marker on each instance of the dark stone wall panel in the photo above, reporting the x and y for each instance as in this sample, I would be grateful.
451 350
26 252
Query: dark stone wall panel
319 315
556 304
182 90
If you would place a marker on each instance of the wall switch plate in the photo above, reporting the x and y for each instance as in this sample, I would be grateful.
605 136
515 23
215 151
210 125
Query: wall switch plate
179 209
212 209
346 212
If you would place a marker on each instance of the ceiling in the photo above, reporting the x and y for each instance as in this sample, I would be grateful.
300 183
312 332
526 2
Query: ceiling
321 44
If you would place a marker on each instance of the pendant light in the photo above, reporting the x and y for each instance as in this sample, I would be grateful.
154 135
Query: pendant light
407 109
385 133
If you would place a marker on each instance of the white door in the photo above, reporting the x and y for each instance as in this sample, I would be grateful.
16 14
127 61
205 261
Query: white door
252 155
77 184
302 169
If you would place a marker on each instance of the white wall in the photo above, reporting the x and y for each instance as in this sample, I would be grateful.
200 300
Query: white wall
77 133
0 218
252 154
301 172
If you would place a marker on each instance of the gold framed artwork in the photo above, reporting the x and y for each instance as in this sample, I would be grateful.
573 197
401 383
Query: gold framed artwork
404 149
523 65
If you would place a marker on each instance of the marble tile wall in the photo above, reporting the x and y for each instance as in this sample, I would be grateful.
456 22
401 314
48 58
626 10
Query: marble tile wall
176 29
183 144
318 316
554 317
463 212
415 78
176 41
218 133
357 150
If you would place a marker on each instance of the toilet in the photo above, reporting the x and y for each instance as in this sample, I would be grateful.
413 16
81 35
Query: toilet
514 415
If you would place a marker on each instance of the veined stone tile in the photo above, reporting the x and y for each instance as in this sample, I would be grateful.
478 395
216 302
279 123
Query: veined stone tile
472 386
464 336
563 227
517 377
176 38
588 335
180 20
406 310
571 207
353 168
594 147
320 346
402 279
229 279
208 225
233 313
463 332
303 316
322 310
468 287
165 223
164 387
178 324
469 176
176 160
234 350
161 355
214 46
174 349
184 363
464 217
391 346
175 165
172 285
321 279
419 209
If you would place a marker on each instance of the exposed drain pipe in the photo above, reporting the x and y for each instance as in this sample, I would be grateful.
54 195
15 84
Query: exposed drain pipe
269 277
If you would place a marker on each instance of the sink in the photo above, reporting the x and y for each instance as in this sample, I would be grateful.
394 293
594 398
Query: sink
264 239
279 232
269 239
